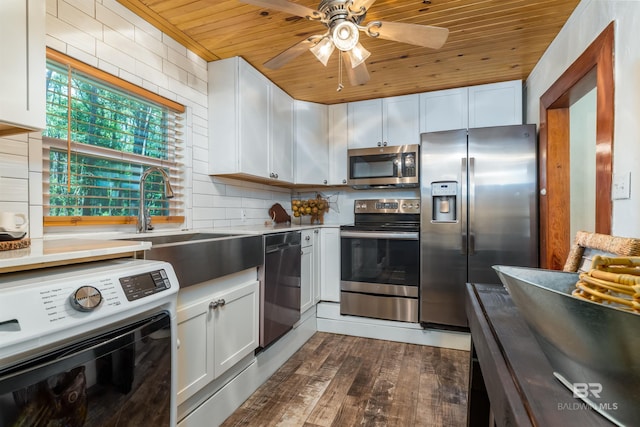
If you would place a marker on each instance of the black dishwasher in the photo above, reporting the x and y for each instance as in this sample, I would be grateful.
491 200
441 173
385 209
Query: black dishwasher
280 285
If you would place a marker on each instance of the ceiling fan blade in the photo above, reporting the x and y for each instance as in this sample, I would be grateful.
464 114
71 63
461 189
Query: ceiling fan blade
357 4
358 75
416 34
287 7
291 53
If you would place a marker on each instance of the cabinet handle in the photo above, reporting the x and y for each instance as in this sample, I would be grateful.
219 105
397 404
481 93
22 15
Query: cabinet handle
307 238
217 303
384 144
271 175
315 231
276 175
178 342
325 181
344 181
379 144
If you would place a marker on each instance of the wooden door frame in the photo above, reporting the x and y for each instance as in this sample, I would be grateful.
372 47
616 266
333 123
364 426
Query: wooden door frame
593 68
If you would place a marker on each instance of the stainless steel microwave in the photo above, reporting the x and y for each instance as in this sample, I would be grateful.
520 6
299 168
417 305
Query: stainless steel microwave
380 167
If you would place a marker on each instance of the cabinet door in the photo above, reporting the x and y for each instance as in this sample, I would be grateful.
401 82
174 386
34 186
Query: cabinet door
195 351
235 325
365 123
306 279
338 143
281 141
444 110
330 262
401 120
22 48
253 121
495 104
311 144
316 263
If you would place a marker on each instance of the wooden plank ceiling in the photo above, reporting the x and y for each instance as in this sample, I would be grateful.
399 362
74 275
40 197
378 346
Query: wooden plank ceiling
489 41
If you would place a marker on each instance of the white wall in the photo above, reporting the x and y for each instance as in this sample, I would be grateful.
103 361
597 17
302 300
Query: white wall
584 25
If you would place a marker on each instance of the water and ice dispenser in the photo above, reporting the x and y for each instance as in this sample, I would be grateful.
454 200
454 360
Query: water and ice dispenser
444 195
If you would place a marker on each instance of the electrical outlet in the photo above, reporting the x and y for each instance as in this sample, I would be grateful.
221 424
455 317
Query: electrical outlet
243 215
621 186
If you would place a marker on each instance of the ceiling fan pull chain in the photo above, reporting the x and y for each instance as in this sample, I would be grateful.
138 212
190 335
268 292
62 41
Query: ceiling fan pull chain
340 85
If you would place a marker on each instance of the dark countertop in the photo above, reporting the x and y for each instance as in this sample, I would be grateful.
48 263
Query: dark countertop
518 377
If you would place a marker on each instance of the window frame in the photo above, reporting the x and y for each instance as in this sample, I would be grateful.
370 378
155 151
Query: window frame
48 144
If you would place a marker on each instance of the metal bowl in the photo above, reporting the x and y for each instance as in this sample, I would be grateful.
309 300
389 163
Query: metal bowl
593 348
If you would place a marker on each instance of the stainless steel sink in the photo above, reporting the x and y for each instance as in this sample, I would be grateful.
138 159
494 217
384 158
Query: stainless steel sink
199 257
178 238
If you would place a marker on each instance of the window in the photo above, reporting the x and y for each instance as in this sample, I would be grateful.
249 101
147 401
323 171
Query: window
102 133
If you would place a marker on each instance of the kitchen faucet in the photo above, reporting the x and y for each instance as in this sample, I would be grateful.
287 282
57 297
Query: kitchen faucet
144 219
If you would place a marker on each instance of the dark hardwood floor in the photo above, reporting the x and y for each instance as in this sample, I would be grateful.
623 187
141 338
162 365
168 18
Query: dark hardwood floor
340 380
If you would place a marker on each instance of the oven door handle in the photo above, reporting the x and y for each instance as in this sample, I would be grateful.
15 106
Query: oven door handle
389 235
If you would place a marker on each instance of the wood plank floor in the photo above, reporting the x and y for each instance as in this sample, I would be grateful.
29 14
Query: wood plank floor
340 380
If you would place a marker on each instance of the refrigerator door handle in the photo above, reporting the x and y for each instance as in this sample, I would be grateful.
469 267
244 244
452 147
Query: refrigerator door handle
461 197
472 205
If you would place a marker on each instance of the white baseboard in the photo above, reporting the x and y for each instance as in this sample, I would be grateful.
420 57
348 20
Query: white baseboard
330 320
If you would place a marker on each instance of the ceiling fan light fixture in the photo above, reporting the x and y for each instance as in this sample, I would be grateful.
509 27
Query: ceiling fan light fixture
345 35
323 50
358 55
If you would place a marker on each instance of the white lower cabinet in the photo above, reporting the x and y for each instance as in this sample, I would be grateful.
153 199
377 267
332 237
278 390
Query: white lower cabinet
215 332
330 264
310 269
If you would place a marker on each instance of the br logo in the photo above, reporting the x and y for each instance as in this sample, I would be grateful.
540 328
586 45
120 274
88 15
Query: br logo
584 390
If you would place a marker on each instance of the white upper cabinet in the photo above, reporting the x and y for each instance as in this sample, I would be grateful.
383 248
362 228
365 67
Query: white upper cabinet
253 129
281 160
444 110
365 123
311 143
495 104
401 120
22 49
251 123
338 143
385 121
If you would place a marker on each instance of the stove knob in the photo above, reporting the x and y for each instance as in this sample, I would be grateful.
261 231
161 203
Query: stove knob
86 298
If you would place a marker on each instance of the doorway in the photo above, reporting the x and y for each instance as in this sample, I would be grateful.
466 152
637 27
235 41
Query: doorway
593 69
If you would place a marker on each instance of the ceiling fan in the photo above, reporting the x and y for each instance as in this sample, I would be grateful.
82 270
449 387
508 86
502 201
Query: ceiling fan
343 19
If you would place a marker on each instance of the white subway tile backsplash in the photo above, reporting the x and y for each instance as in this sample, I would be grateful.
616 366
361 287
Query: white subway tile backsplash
169 41
70 35
81 55
114 56
12 166
36 228
204 200
200 166
14 145
35 188
175 72
14 189
115 21
149 41
80 19
35 152
86 7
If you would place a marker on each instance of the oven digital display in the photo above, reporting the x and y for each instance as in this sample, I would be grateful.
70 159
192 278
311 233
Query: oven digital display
141 285
387 205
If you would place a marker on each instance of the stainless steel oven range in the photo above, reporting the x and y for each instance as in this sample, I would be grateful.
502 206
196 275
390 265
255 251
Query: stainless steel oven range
89 345
380 260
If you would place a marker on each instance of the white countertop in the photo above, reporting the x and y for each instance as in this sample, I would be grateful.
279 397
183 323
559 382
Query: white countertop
54 249
45 252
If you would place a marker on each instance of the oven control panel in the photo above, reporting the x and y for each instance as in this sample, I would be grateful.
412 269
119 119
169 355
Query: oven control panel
38 306
393 206
142 285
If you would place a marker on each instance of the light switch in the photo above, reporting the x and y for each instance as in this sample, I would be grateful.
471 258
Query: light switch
621 186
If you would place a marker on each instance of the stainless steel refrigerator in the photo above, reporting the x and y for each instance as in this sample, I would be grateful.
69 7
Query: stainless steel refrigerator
479 208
